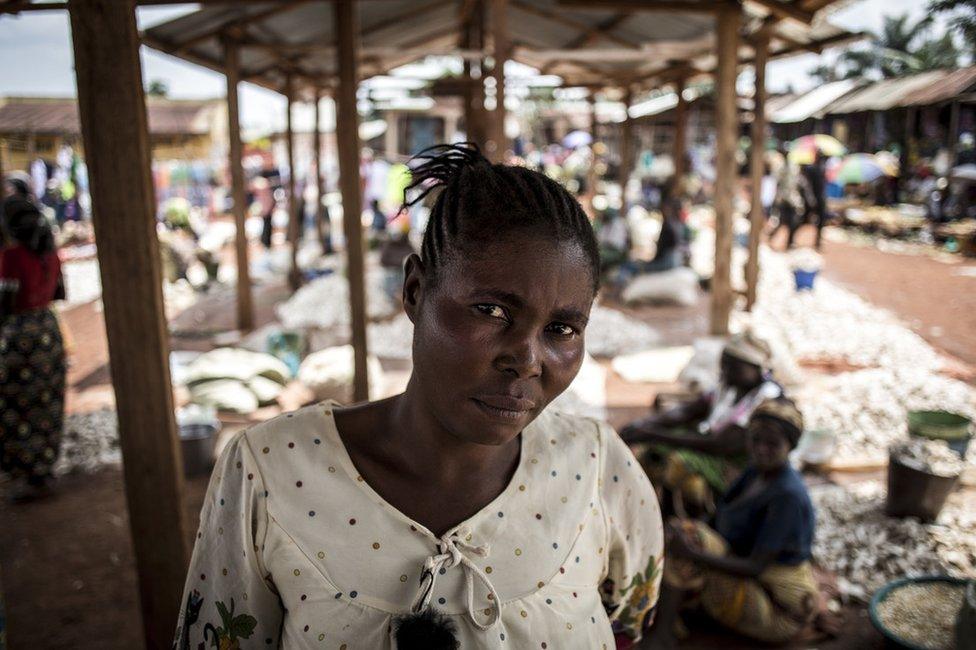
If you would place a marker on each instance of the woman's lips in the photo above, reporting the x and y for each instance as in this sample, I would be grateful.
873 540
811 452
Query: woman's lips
504 406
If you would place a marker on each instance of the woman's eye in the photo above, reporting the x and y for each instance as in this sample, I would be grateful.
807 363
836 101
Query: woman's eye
492 310
562 329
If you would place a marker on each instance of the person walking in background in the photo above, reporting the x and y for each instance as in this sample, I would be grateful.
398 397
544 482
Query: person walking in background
816 176
32 362
788 203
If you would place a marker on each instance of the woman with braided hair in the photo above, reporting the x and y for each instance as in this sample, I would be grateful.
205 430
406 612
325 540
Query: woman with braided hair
461 513
32 367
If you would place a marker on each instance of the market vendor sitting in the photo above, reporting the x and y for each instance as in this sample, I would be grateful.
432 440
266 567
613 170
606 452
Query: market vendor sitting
698 447
751 571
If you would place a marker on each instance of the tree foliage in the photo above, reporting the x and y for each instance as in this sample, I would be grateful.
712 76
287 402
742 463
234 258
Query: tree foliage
962 20
903 47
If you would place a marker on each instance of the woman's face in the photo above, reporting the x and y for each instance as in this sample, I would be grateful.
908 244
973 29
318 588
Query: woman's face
769 447
499 335
736 372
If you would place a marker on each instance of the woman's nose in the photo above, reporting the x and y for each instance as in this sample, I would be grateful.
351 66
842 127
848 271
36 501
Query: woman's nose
521 357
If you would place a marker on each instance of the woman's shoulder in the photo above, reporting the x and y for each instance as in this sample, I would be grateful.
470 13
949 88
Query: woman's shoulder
585 429
599 439
289 438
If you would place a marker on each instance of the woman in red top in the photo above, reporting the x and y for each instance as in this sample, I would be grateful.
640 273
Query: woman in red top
32 367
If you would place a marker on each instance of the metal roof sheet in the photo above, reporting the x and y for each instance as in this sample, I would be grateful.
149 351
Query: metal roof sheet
812 103
951 85
613 45
886 94
59 115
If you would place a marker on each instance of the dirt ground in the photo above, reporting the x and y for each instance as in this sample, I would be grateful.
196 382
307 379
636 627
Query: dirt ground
935 298
67 563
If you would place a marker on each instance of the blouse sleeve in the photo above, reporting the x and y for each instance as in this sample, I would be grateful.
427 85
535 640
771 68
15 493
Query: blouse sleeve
635 542
229 599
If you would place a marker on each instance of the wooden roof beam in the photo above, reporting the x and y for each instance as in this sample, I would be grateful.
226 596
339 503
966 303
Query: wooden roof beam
236 25
670 6
600 31
787 10
814 6
412 12
522 5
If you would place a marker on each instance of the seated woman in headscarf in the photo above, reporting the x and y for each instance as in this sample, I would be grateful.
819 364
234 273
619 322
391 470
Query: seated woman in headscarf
751 570
697 448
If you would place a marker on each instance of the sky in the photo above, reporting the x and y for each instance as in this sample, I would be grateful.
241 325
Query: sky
43 40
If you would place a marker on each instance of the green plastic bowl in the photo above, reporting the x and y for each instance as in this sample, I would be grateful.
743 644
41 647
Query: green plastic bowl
955 429
892 639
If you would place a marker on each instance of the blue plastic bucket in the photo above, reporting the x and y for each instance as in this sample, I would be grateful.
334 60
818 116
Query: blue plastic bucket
804 279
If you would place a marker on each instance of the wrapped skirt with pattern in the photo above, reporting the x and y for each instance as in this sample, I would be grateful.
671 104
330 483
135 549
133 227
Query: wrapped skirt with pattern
32 384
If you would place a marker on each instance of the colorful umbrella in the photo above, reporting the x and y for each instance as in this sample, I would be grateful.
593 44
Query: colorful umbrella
889 162
856 169
803 150
577 139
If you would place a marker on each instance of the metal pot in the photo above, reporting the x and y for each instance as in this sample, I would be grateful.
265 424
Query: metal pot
198 442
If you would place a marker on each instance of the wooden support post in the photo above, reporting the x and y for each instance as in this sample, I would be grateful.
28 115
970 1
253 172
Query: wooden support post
727 28
245 305
953 131
392 135
499 31
112 112
294 219
906 148
474 92
680 150
626 149
322 226
347 139
591 169
757 217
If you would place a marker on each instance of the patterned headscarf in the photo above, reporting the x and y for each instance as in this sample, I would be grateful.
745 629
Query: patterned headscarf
785 411
749 348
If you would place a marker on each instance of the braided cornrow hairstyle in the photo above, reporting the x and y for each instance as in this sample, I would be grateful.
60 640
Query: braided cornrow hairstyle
479 202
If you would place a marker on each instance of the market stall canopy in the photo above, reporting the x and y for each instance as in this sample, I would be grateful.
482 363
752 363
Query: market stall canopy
920 89
591 46
813 103
59 115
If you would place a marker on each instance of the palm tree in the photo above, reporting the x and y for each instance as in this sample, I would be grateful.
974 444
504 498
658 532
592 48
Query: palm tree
962 20
938 53
825 73
903 47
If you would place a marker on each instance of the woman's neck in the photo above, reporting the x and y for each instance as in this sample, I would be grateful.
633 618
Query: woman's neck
432 447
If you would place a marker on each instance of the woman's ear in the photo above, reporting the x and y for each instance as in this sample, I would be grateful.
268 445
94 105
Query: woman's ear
414 273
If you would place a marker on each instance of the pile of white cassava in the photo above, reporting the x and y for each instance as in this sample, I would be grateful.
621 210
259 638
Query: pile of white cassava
866 548
866 408
609 333
324 302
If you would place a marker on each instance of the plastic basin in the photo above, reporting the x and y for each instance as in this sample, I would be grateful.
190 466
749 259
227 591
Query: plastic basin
892 640
954 428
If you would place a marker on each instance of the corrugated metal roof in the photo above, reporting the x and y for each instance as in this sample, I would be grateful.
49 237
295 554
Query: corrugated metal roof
951 85
50 115
886 94
299 35
813 103
776 102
